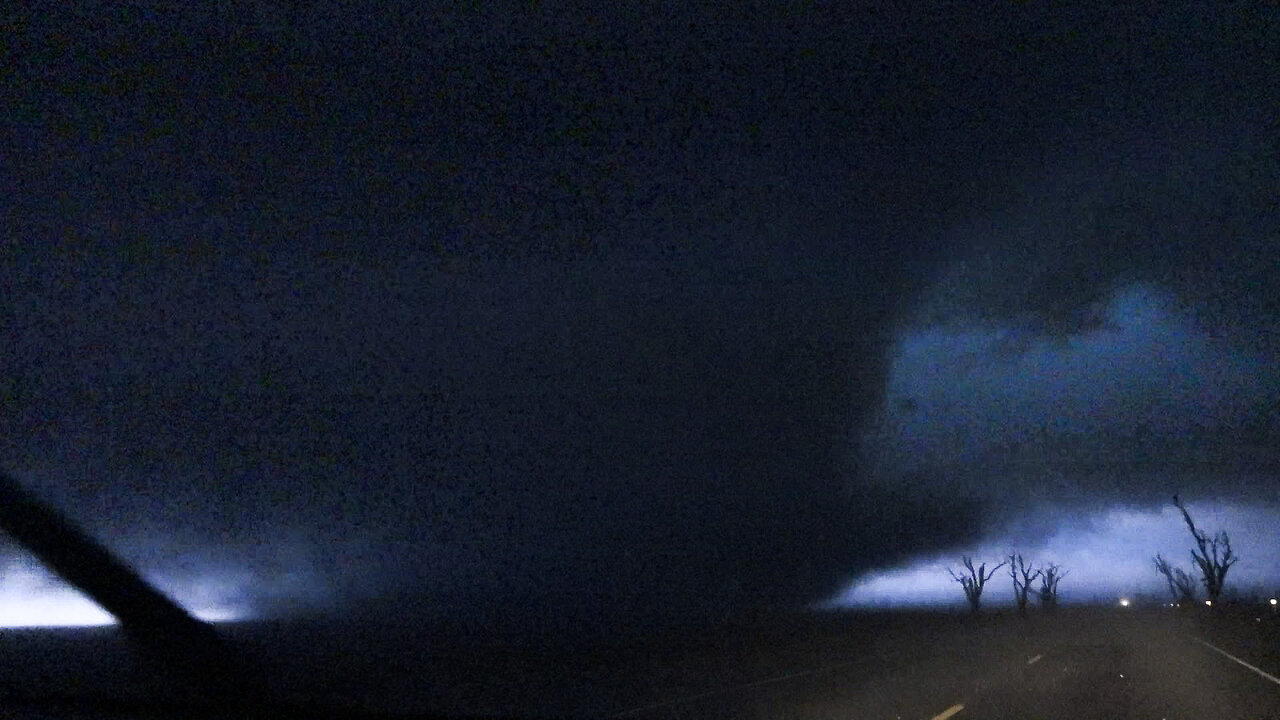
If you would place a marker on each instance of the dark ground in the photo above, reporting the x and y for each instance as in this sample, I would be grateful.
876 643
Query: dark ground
1091 663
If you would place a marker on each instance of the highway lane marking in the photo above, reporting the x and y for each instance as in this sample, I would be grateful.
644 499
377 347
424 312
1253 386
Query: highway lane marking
958 707
1254 668
948 712
721 691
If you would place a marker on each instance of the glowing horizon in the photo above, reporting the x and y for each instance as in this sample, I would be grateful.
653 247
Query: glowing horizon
31 597
1107 553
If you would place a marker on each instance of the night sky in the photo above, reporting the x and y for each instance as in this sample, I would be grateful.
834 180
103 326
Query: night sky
595 313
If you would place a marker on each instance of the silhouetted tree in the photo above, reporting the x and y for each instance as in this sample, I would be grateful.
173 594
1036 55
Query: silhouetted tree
1213 556
1023 576
1049 579
974 582
1181 585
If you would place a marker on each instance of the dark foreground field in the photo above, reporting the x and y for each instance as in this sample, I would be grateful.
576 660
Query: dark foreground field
1082 663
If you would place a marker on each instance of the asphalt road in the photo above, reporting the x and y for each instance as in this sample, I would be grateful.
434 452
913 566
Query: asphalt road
1081 663
1087 663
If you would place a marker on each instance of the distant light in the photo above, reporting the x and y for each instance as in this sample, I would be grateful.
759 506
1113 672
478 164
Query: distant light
32 597
1124 602
220 614
53 610
29 597
71 610
1273 601
1208 602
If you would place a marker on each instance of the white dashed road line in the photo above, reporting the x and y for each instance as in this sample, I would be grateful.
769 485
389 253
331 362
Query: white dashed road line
727 690
948 712
1229 656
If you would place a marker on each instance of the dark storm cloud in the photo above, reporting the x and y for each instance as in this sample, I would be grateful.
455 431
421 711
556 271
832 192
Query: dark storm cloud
1113 326
1190 210
658 266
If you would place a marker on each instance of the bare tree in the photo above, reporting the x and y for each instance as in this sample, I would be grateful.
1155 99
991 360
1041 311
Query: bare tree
1181 585
1213 556
1023 576
1049 579
974 582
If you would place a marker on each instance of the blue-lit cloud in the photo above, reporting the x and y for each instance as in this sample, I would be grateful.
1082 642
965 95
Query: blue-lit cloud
216 584
1146 389
1073 444
32 597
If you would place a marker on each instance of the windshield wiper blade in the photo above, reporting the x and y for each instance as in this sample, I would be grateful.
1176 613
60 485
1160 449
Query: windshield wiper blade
190 647
227 680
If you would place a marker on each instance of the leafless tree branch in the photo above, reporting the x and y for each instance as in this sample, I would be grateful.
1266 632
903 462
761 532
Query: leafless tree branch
1023 575
1050 576
1181 585
1213 556
974 582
